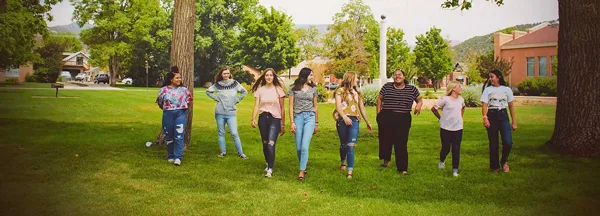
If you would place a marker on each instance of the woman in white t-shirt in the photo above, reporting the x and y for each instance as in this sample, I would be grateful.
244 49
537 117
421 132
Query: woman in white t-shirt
451 124
269 102
496 97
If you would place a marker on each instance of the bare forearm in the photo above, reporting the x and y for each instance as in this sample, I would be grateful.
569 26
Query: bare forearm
513 115
378 104
436 112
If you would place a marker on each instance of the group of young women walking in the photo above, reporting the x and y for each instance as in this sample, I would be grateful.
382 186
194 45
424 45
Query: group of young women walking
394 107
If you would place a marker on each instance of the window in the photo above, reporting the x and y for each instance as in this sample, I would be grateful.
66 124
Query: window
79 60
530 66
13 72
543 65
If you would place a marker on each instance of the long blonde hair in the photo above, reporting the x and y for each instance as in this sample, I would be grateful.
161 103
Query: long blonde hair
450 87
348 84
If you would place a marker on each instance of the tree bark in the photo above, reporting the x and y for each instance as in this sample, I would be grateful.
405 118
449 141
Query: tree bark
113 67
576 130
182 54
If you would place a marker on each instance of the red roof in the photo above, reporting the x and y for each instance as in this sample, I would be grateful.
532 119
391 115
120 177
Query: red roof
547 34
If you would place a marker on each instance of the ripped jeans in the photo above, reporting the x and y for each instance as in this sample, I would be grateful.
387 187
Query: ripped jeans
173 122
269 131
348 137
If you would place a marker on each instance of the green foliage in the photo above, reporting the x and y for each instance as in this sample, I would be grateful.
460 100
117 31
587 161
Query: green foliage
536 86
244 77
12 80
118 26
50 65
352 42
473 72
429 95
555 66
466 4
472 95
248 87
309 42
267 41
324 94
433 55
20 24
370 96
218 26
398 53
408 66
487 62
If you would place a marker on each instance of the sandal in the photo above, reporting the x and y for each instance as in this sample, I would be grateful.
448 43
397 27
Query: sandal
300 178
349 176
343 167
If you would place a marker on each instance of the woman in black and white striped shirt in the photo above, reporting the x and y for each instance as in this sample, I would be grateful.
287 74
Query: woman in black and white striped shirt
394 105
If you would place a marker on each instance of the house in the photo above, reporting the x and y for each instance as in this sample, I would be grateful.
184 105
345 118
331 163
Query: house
75 63
532 52
19 73
319 67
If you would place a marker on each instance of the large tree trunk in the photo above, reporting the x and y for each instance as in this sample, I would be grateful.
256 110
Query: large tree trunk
576 130
113 67
182 54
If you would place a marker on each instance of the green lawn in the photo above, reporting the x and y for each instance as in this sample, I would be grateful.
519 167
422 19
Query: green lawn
86 156
25 85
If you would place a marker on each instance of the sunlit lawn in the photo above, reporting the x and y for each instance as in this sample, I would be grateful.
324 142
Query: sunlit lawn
87 156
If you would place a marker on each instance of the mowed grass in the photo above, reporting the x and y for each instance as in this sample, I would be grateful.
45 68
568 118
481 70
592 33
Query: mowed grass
87 156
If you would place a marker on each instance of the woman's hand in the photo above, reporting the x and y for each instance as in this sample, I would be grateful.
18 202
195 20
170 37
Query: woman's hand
282 132
369 127
293 128
347 120
316 128
486 122
514 126
254 123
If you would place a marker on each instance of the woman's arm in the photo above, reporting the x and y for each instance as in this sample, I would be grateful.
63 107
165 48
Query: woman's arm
211 93
255 111
363 113
242 92
315 103
484 111
282 107
340 111
291 112
419 105
436 112
379 99
513 115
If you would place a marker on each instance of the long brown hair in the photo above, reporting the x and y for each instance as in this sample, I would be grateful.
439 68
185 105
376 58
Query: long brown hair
219 75
261 80
302 79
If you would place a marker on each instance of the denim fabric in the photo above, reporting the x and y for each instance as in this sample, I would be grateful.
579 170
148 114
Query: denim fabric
348 135
173 122
269 132
499 122
231 121
305 127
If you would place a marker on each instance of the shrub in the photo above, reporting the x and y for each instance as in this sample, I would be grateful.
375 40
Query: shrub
244 77
472 96
12 80
324 95
29 78
429 95
536 86
370 96
247 87
515 91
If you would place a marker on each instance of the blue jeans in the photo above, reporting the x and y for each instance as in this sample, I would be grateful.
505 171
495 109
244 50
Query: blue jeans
173 122
231 121
348 137
499 122
269 132
305 127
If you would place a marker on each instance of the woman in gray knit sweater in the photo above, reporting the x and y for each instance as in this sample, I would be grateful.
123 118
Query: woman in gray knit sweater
225 93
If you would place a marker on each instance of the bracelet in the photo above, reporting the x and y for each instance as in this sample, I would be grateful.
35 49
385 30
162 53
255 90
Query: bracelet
485 117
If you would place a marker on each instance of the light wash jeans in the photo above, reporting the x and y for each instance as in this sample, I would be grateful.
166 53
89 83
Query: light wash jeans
173 122
231 121
305 127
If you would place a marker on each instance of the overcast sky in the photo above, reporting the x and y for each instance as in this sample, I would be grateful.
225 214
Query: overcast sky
413 16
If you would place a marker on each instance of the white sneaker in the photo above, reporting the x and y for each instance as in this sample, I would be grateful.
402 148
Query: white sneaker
455 174
222 154
171 160
441 165
177 162
243 156
269 174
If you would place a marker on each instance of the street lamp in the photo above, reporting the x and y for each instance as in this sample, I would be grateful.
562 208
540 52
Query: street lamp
146 74
382 52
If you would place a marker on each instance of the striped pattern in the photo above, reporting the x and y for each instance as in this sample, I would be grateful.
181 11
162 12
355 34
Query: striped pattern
398 100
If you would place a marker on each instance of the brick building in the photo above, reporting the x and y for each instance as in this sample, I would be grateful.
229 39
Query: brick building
531 51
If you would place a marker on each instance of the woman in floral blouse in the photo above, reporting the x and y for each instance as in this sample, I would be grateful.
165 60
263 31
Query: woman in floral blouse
174 99
349 107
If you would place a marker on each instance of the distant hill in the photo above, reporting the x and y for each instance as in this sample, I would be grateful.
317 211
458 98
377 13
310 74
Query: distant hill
71 28
482 44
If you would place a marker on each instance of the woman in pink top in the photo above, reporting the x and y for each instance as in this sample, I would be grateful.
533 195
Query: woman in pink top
269 95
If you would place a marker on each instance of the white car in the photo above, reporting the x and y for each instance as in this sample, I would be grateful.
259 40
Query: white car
82 77
66 75
127 81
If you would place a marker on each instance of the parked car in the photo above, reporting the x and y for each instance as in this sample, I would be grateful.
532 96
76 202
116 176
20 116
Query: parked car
102 78
82 77
331 85
65 75
127 81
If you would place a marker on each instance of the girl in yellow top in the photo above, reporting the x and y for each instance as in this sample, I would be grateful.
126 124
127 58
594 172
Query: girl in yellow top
349 107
